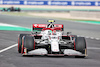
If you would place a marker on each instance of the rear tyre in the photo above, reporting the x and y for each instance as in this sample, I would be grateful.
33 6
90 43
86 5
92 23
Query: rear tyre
20 41
80 45
4 9
9 10
29 43
19 10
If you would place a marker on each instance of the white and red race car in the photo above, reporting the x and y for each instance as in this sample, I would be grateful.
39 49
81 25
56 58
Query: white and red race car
51 42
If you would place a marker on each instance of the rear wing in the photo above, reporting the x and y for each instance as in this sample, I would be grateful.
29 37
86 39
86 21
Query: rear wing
39 27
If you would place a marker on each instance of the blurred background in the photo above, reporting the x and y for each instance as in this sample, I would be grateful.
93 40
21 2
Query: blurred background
74 9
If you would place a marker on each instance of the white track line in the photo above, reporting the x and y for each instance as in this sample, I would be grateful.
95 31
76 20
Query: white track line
88 37
93 48
8 48
97 38
11 25
4 24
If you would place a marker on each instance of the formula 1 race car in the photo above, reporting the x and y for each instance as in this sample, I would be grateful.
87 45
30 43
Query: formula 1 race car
11 9
51 42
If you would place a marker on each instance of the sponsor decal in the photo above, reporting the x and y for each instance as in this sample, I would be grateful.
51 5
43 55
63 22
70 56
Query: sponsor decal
11 2
54 46
44 25
58 25
72 3
35 25
99 3
84 3
49 2
39 25
36 2
25 2
96 3
59 3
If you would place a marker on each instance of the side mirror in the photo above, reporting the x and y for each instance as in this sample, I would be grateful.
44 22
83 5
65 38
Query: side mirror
35 32
68 33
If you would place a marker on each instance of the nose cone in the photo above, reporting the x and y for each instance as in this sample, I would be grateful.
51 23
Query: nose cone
54 46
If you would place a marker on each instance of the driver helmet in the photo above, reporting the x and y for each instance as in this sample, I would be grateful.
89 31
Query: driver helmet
50 25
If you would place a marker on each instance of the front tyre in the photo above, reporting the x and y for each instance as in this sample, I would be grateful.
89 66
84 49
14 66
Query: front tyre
20 41
80 45
29 43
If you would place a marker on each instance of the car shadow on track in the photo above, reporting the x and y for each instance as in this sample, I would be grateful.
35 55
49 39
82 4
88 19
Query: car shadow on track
54 57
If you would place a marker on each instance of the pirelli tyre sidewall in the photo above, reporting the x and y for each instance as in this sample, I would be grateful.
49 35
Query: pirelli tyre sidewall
28 42
20 41
80 44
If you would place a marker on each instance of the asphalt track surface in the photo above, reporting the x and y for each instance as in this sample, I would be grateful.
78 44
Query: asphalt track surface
11 58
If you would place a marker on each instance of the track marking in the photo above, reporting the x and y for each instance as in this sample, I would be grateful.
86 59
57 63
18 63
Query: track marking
97 38
92 38
88 37
11 25
5 49
4 24
93 48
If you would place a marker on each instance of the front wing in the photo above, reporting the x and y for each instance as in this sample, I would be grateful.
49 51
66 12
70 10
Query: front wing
43 52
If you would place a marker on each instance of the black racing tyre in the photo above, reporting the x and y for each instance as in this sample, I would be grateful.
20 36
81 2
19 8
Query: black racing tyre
80 45
4 9
9 10
20 41
29 42
19 9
